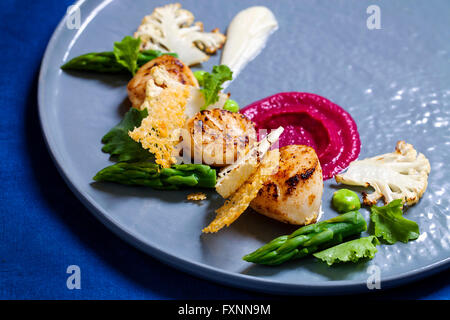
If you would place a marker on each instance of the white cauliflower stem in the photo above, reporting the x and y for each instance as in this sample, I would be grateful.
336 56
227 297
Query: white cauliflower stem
172 29
402 174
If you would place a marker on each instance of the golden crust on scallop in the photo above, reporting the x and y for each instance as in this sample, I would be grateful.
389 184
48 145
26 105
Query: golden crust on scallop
218 137
293 194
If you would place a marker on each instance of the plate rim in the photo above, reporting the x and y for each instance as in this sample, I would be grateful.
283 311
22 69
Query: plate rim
189 266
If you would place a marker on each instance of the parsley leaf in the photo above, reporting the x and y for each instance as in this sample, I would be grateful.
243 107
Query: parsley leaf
127 53
118 142
390 225
211 83
350 251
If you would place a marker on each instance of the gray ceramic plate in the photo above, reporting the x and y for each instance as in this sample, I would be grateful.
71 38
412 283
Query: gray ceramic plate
395 82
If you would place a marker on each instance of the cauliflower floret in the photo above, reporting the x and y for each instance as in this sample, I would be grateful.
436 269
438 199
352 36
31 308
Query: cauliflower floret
170 28
401 174
160 79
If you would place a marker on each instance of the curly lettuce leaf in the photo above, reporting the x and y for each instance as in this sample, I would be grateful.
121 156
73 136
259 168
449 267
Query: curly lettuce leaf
127 53
211 83
390 225
118 143
351 251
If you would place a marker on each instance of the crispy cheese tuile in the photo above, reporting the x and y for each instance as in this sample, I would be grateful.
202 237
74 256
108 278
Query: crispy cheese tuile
159 132
240 200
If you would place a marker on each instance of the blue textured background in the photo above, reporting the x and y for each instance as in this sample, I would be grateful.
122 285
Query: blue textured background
44 228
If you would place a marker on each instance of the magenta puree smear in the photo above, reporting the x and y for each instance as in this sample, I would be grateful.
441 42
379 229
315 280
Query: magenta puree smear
310 120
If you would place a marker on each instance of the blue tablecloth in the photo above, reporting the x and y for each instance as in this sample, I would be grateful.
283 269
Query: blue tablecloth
43 226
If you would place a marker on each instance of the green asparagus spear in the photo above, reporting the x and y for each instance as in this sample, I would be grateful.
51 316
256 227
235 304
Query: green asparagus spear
205 174
147 55
105 62
151 175
309 239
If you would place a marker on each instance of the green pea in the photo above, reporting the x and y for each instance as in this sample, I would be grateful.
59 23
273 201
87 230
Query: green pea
345 200
231 105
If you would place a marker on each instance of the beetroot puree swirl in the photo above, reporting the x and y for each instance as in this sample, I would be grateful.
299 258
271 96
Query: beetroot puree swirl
311 120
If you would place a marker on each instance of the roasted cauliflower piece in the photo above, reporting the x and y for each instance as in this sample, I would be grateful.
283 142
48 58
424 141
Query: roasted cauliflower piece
171 28
402 174
176 70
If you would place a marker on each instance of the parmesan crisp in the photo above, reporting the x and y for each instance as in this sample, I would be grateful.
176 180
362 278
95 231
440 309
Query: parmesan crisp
197 196
159 132
240 200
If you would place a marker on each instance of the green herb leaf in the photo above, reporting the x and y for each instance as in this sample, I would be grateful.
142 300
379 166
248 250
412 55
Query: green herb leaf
127 53
351 251
199 76
211 83
118 142
390 225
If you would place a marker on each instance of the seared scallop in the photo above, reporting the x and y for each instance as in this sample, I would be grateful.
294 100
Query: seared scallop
176 69
218 137
294 194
